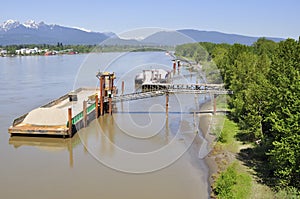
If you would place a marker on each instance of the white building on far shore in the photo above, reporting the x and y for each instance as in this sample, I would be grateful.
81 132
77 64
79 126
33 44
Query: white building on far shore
3 52
28 51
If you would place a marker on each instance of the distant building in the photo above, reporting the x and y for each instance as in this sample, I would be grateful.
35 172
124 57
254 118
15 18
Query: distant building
21 51
28 51
3 52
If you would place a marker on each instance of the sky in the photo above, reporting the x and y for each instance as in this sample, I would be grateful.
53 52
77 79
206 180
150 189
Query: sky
274 18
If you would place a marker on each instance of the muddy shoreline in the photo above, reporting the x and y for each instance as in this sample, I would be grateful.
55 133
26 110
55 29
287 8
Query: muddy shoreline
209 159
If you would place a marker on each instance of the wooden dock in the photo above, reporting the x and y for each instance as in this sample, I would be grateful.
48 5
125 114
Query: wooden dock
137 95
73 111
187 88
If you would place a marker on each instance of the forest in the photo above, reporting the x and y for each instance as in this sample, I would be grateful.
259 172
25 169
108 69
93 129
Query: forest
265 80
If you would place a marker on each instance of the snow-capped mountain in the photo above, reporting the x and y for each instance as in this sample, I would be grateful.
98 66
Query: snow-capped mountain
9 24
32 24
31 32
13 24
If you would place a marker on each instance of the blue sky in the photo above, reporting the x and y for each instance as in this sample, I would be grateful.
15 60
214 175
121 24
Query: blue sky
278 18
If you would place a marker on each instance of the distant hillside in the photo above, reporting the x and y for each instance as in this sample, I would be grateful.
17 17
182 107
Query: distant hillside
13 32
168 38
189 36
30 32
121 42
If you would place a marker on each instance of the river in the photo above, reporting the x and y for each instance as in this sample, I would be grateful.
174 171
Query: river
136 153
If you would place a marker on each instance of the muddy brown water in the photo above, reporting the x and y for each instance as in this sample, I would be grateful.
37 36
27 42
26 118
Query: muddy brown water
125 155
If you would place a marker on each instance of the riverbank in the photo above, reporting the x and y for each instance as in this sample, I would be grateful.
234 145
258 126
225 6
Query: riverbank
204 125
47 49
224 159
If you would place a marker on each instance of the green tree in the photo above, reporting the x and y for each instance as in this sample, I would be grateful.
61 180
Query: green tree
285 160
265 46
282 123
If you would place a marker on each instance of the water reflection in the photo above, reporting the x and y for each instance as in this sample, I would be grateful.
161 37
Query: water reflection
48 144
139 136
47 161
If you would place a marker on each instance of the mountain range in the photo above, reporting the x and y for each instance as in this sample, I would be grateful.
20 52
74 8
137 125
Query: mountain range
30 32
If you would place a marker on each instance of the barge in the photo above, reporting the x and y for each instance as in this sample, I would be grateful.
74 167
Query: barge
146 78
52 118
69 113
153 75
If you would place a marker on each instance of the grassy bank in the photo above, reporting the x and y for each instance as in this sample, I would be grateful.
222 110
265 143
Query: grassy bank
233 179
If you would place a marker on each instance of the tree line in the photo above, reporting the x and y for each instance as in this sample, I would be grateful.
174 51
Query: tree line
11 49
265 80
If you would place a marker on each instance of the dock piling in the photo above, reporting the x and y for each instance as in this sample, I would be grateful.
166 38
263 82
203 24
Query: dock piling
70 121
174 65
96 106
215 103
101 95
123 86
84 106
111 89
109 96
167 104
178 63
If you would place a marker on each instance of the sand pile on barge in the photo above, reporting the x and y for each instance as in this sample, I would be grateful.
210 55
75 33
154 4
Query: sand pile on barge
46 117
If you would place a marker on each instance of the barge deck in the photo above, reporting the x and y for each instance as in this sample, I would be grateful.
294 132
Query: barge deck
52 118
